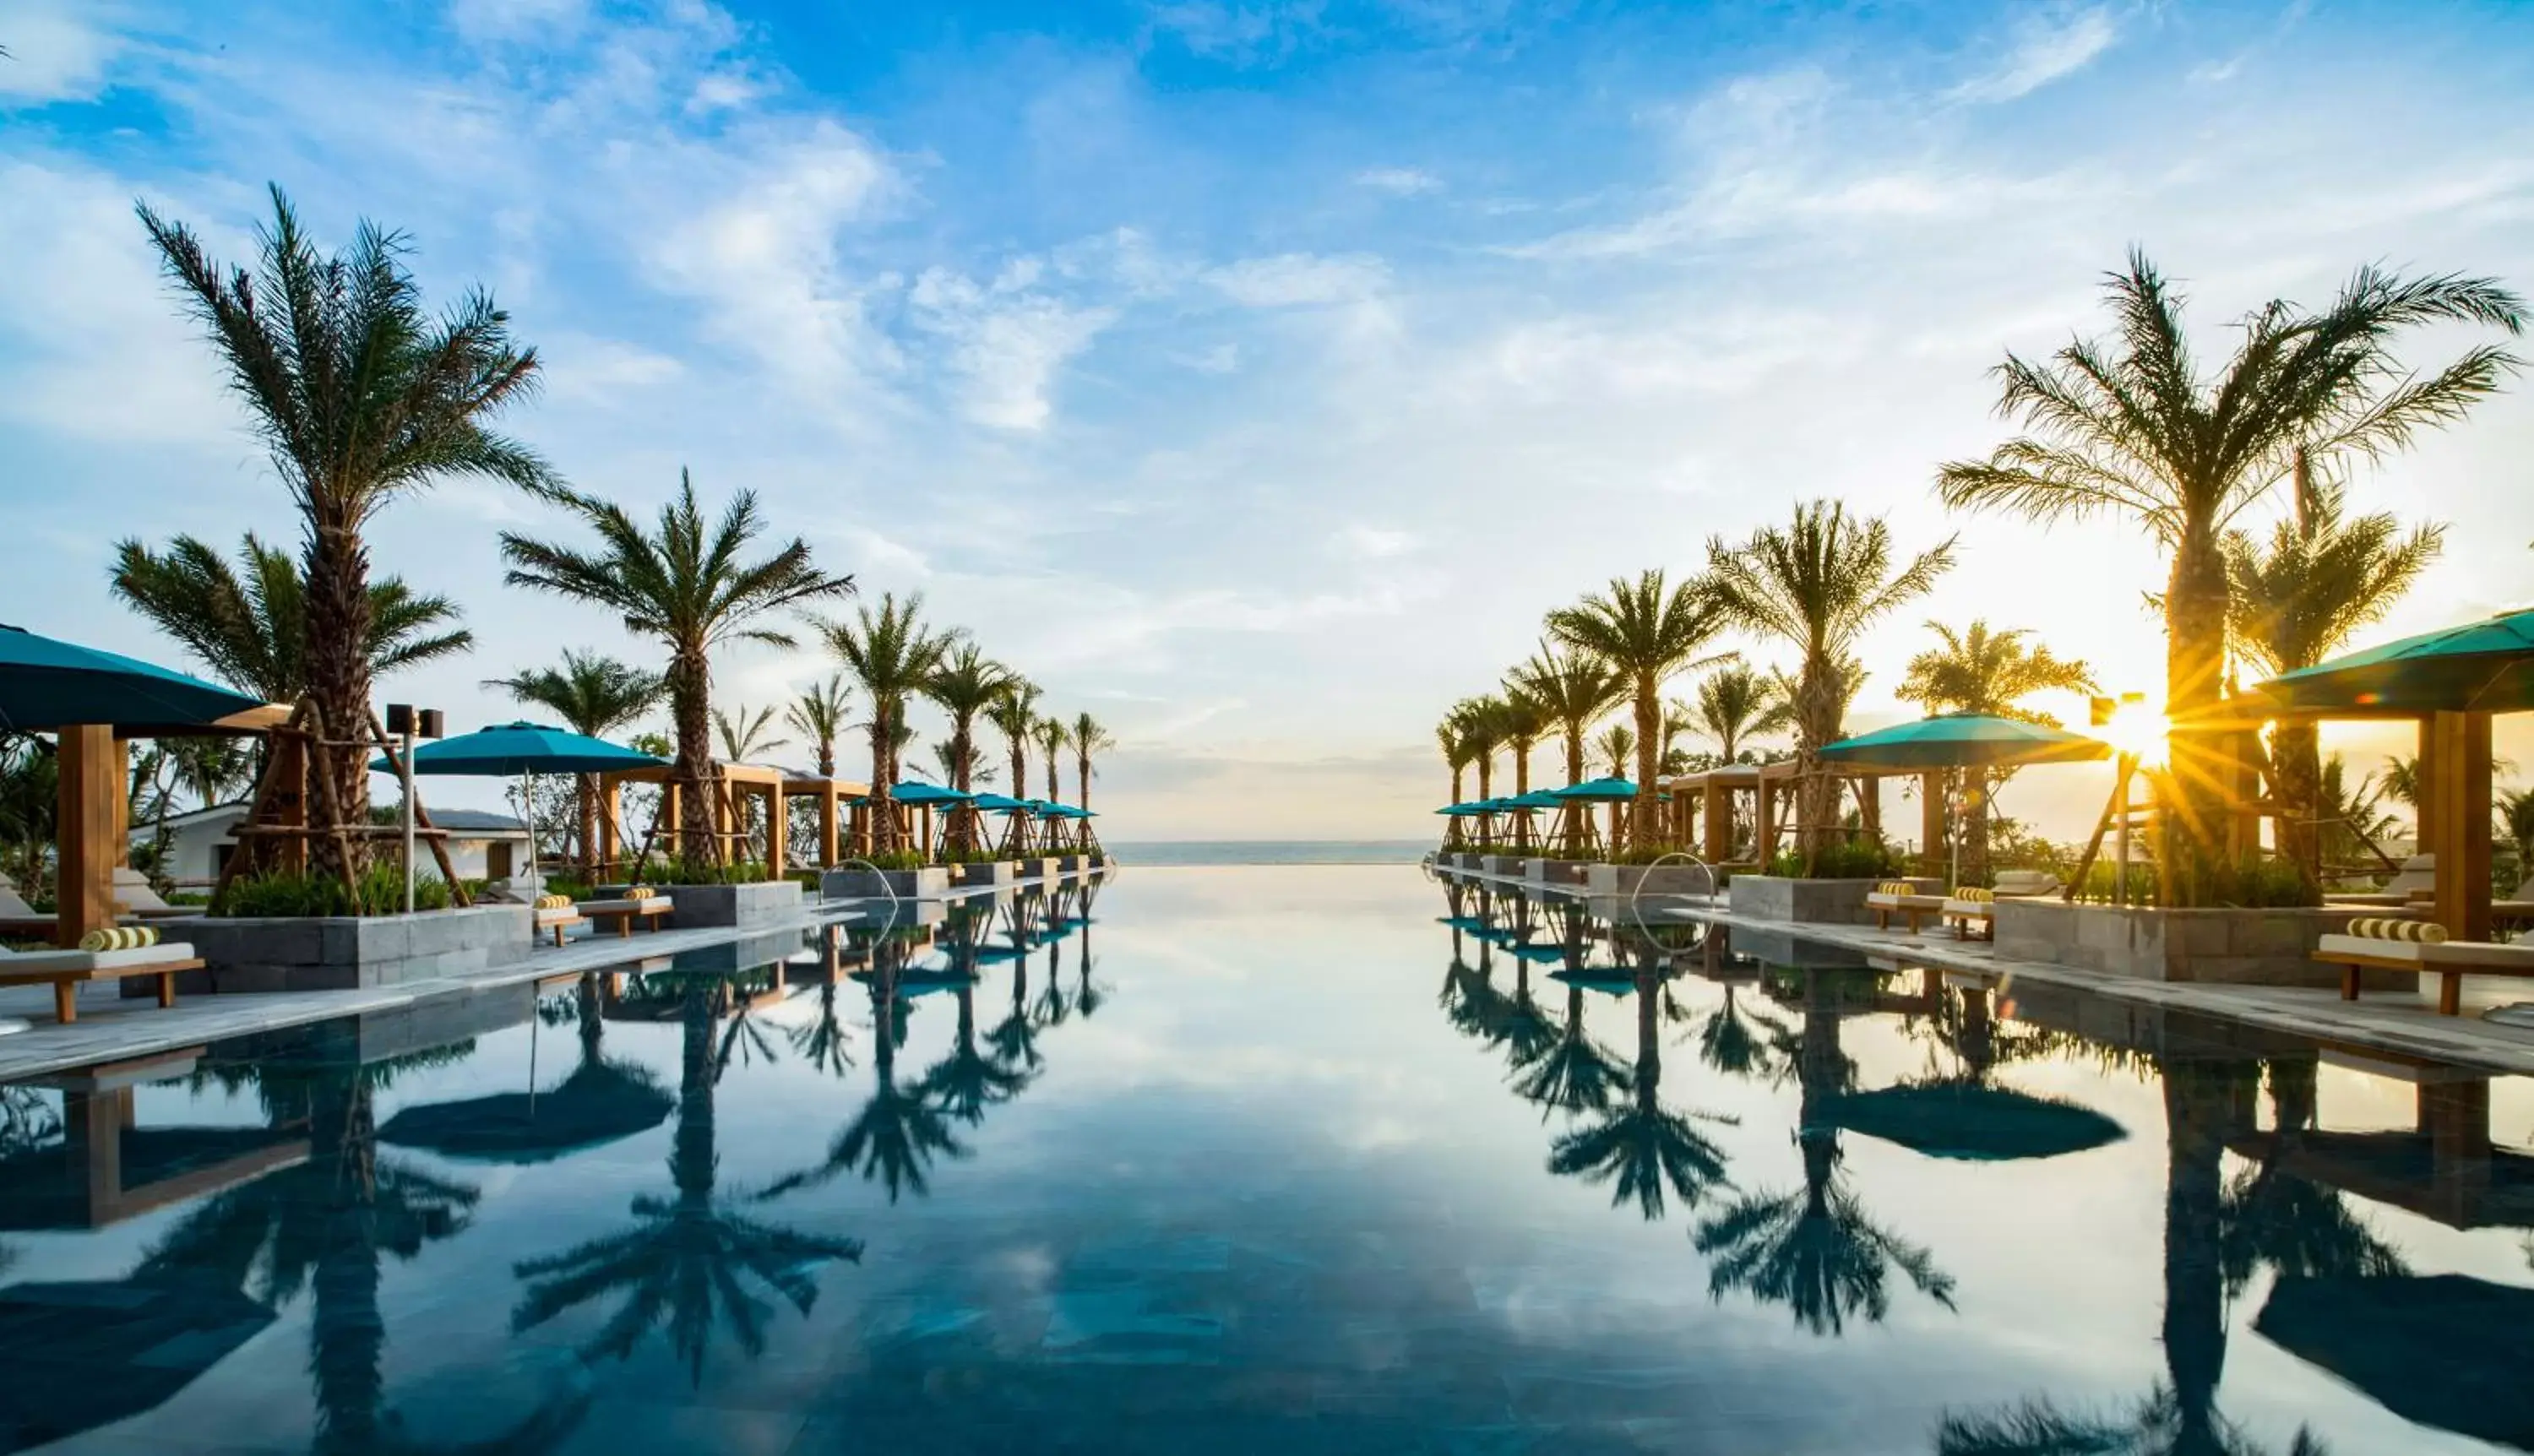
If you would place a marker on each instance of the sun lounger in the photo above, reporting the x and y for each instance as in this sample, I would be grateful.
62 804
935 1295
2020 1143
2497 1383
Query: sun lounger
1973 907
2417 877
2421 948
63 970
2516 908
557 914
2027 884
134 897
636 904
1901 897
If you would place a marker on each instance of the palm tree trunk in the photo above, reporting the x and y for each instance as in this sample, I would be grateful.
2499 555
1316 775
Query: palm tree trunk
2296 768
2193 818
1521 787
338 678
1816 791
2195 1284
1577 813
1640 831
881 809
690 707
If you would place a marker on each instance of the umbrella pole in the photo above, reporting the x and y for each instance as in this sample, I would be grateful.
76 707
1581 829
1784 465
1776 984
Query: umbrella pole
405 770
528 817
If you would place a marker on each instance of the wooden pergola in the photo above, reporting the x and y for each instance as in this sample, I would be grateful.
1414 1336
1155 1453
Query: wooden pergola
734 784
1703 804
92 825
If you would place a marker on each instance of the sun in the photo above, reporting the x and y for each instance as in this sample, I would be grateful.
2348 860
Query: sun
2138 729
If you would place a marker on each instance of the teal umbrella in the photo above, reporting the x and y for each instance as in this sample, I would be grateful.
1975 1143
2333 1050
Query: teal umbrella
1972 1121
509 750
46 685
1597 790
1963 741
999 803
924 793
1535 800
2485 666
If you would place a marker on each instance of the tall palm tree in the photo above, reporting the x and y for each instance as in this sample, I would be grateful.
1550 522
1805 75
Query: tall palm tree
893 655
687 1262
1817 584
1090 738
1645 631
1735 702
2135 429
1015 714
746 736
1453 742
2297 598
819 716
1980 671
596 696
965 685
360 395
1570 689
248 623
1481 723
1051 735
686 584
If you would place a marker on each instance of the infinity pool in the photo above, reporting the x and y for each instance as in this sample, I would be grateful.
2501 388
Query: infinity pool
1291 1159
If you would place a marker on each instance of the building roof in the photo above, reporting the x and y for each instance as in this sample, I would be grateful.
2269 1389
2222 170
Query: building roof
476 822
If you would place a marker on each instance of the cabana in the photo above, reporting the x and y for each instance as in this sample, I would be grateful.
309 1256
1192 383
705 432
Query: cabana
735 783
1946 744
1708 797
2451 683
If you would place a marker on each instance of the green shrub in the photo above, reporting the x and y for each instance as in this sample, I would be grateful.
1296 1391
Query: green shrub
380 891
1855 859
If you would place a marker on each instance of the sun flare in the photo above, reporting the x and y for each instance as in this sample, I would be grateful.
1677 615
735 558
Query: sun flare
2137 729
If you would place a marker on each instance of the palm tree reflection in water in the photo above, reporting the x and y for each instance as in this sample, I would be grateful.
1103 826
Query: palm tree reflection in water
900 1128
2214 1238
1814 1249
320 1226
686 1264
1640 1146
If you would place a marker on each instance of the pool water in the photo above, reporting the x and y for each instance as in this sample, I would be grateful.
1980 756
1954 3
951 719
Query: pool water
1300 1159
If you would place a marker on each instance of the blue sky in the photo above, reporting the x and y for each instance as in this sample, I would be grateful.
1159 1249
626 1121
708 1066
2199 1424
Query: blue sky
1252 375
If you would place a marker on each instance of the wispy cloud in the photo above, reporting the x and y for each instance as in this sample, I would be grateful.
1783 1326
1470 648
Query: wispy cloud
1399 181
58 49
2045 48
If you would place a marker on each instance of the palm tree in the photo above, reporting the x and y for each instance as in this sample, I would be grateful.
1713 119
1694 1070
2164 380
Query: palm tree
1454 743
685 1264
1090 738
1051 735
1015 714
360 395
1522 720
1641 1147
819 716
966 685
1817 584
248 623
1645 631
893 655
2134 429
1815 1250
1980 671
1570 689
746 736
687 585
595 695
2297 599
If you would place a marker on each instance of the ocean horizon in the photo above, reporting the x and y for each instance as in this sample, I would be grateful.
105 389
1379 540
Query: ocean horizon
1188 852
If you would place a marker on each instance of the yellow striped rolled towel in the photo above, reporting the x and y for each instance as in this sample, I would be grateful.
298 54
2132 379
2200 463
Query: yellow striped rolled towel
2387 928
553 902
639 891
119 937
1975 893
1893 887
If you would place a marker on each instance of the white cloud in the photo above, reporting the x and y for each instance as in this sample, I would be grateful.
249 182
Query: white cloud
493 21
1222 358
762 254
57 51
1373 543
1006 339
2045 50
1239 34
1398 181
1300 279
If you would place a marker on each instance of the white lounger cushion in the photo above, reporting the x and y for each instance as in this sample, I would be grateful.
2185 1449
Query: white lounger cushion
618 907
92 960
559 915
2027 883
2456 955
1878 900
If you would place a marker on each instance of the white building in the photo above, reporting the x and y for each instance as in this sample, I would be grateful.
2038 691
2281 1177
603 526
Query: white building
481 845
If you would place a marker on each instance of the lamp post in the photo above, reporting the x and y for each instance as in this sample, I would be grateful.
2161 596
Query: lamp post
405 723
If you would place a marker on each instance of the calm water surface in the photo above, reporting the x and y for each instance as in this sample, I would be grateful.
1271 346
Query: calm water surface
1297 1159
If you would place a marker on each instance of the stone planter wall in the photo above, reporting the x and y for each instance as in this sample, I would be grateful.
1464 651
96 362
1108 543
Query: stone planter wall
1071 864
739 905
1044 868
1506 864
991 872
1819 901
1675 878
344 952
2256 948
930 882
1570 872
